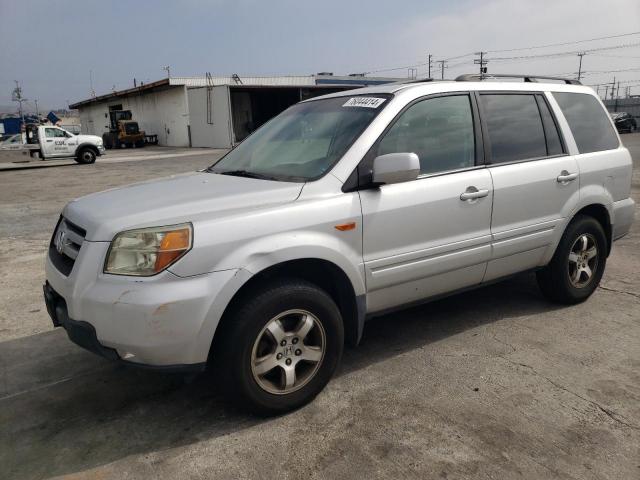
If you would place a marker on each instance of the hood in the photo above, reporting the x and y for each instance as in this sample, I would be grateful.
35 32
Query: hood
176 199
88 139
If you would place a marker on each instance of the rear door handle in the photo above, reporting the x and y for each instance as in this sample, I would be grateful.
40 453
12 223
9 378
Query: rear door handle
472 193
566 177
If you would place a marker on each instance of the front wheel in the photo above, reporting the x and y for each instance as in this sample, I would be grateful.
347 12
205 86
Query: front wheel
86 156
282 346
578 264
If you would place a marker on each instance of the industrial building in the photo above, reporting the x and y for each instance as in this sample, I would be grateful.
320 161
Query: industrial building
210 111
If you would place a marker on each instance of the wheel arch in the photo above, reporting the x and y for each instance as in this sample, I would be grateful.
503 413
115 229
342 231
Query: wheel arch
90 146
601 214
321 272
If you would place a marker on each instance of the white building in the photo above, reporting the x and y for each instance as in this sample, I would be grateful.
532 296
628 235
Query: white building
210 111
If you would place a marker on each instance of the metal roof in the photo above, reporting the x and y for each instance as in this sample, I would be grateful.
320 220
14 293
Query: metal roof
293 81
255 81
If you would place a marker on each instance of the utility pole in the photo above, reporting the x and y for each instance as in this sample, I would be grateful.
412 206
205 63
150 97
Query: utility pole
429 63
606 91
442 62
482 62
37 112
582 54
16 96
168 69
613 87
92 92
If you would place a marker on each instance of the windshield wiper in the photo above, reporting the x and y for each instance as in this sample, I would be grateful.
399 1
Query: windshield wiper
246 173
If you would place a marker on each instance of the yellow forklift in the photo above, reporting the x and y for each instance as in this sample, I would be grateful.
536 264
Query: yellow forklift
123 131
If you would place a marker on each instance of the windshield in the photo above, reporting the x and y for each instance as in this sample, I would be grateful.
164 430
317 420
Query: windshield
304 141
131 128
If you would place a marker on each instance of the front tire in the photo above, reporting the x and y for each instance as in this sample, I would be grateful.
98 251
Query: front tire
281 346
86 156
578 264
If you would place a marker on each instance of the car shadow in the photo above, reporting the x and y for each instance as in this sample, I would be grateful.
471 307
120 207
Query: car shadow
64 410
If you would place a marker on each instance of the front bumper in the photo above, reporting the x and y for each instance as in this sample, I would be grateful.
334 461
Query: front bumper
163 321
101 149
84 334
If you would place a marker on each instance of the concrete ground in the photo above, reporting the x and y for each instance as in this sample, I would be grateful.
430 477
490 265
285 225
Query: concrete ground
19 160
495 383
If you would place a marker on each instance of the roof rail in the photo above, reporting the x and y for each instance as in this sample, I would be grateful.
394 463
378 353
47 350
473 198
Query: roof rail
472 77
414 80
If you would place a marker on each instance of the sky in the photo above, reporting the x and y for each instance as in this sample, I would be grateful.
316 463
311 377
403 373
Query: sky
51 46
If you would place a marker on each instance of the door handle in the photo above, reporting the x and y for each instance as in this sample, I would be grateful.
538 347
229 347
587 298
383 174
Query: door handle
472 193
49 141
566 177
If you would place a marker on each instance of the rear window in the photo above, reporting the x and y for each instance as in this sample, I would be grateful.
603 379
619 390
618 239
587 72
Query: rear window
588 121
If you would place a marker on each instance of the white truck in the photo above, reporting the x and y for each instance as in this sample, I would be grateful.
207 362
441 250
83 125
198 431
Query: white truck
55 142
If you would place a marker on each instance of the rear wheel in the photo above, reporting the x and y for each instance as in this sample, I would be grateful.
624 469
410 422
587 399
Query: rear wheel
578 264
86 155
282 346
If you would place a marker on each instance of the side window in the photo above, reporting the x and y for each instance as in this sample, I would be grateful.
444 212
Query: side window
50 132
60 133
554 145
514 127
588 121
439 130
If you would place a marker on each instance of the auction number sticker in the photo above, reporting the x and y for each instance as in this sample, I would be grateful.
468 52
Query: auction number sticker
367 102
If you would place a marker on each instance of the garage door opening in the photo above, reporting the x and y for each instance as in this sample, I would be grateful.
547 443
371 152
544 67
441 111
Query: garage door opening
252 107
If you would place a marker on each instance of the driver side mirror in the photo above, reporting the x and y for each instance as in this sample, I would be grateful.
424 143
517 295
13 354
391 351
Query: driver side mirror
395 168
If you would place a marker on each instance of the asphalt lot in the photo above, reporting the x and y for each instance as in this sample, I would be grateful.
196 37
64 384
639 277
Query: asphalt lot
495 383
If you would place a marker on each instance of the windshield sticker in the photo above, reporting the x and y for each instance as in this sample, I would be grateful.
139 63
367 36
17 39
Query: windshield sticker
367 102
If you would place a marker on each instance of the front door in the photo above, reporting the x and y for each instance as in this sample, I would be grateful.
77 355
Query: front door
56 143
431 235
534 179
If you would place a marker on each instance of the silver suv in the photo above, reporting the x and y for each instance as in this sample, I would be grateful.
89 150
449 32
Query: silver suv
341 208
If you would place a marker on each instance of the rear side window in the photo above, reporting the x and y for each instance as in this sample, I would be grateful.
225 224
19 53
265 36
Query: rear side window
588 121
514 127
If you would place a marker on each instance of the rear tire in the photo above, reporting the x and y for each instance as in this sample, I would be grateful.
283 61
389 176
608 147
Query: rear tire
280 347
578 263
86 156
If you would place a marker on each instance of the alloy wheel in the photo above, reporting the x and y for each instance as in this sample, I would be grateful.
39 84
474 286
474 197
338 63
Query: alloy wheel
583 260
288 352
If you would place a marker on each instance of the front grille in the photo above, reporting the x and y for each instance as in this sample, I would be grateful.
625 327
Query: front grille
65 245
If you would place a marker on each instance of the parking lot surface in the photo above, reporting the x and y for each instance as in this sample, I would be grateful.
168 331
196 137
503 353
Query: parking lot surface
494 383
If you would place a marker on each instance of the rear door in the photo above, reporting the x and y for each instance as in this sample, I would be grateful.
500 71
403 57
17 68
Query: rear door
430 235
535 181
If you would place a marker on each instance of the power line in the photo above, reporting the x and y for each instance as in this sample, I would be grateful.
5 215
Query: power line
614 56
607 83
459 56
524 57
600 72
564 54
564 43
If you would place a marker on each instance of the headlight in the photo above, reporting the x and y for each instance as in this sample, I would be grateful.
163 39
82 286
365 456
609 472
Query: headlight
147 251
